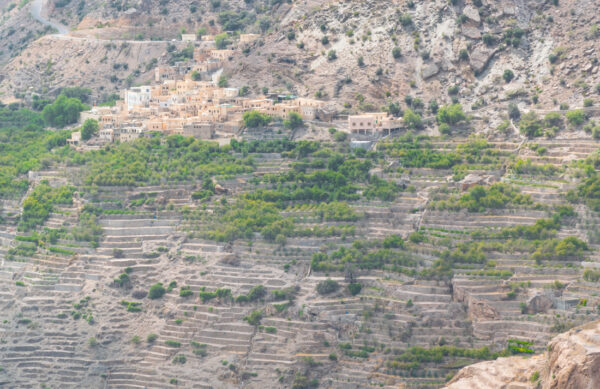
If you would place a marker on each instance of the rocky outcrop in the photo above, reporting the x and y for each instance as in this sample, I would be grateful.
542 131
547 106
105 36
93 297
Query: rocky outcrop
539 303
480 58
503 373
471 180
430 71
472 14
572 361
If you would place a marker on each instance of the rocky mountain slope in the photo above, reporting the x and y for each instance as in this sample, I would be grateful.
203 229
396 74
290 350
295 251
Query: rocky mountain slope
384 50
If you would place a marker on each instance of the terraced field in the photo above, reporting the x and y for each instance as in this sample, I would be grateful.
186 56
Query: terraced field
374 286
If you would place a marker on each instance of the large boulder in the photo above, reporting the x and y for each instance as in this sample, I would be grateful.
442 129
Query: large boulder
472 14
481 310
540 303
430 71
480 57
472 179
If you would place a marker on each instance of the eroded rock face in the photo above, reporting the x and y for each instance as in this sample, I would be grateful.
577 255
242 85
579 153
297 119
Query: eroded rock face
572 361
503 373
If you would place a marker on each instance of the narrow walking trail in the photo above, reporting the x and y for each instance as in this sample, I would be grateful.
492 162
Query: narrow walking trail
36 12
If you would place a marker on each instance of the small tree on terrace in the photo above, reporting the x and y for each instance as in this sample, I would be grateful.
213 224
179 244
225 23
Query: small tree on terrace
221 41
451 114
293 121
89 128
254 119
411 119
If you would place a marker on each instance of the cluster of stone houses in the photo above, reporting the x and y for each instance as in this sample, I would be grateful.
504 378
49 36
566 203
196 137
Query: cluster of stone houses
183 101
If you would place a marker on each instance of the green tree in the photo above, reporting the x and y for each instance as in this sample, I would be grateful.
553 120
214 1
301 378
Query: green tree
354 288
508 75
254 119
201 31
412 120
530 124
196 76
576 117
327 286
64 111
223 82
89 128
451 114
293 121
221 41
77 92
156 291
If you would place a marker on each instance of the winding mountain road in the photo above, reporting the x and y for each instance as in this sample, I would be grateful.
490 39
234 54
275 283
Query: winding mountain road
36 12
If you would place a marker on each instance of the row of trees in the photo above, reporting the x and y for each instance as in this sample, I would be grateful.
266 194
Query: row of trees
255 119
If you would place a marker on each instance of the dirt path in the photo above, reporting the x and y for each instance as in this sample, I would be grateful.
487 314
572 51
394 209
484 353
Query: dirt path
36 12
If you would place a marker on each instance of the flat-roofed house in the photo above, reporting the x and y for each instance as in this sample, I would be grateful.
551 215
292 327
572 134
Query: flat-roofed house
75 139
373 123
201 130
246 38
188 37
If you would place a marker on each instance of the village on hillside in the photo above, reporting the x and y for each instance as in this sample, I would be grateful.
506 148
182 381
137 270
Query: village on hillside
189 99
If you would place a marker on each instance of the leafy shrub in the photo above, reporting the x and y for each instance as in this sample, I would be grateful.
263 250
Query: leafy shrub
406 20
553 119
327 287
254 119
256 293
591 275
156 291
393 241
479 198
488 39
199 349
185 291
123 281
254 317
451 114
270 330
354 288
412 119
576 117
172 343
508 75
132 306
531 125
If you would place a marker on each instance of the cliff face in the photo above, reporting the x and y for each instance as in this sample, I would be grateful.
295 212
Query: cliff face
572 361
